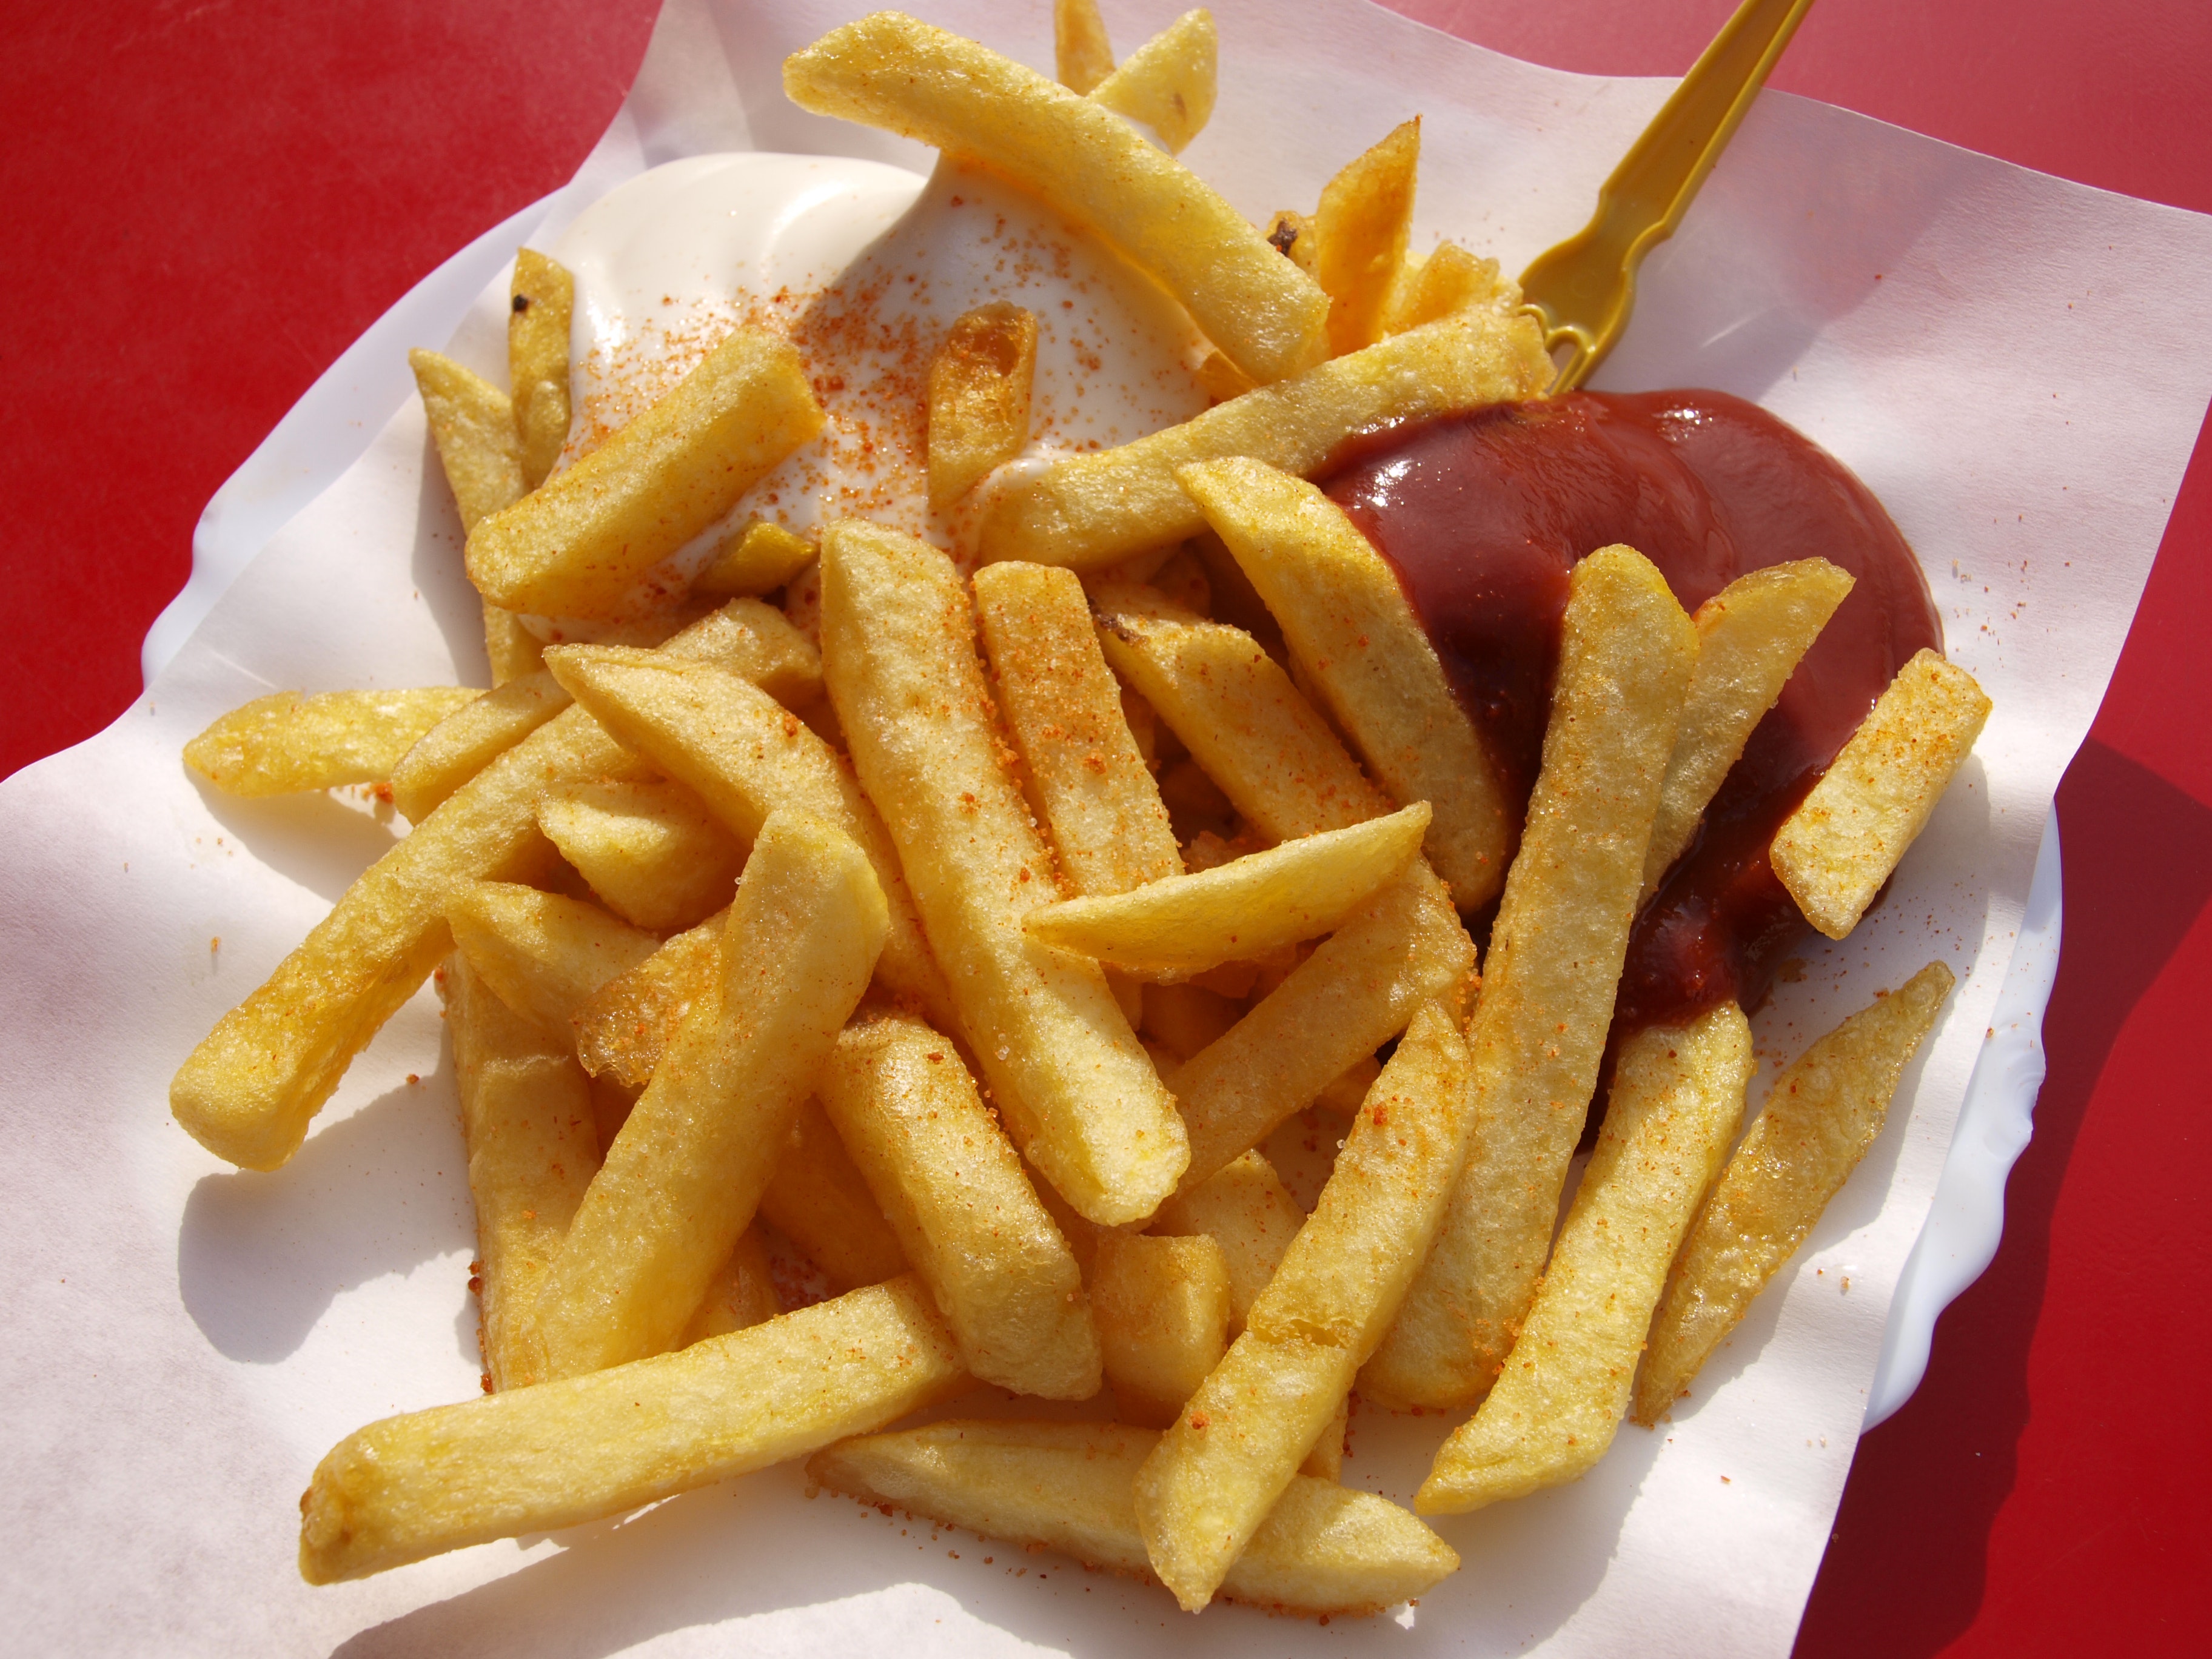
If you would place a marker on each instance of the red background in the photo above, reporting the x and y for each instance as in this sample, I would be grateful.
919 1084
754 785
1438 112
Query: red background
212 198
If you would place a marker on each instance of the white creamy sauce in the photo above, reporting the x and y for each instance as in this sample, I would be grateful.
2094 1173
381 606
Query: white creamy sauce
864 267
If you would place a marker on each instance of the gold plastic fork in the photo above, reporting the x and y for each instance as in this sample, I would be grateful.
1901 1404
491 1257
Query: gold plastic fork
1583 290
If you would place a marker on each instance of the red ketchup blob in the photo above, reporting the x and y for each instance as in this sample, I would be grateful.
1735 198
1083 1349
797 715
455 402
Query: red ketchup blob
1483 514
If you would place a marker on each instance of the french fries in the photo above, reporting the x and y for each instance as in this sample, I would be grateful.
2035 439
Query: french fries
1245 1209
544 956
1823 1113
540 300
1447 283
628 1023
652 852
1167 85
758 557
1360 232
818 1201
978 397
1162 1306
742 1295
474 735
1084 55
286 742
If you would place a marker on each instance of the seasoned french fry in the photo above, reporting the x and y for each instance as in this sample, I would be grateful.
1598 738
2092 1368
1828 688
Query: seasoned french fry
290 741
514 652
1245 1209
1750 637
472 423
978 397
758 556
889 71
1184 924
747 756
1326 1461
652 852
1345 619
1845 838
1097 797
681 1179
1823 1113
533 1149
1447 283
1556 950
1069 1486
1091 510
540 300
1185 1018
1084 55
742 1295
544 956
470 738
953 1188
1163 1308
579 545
1204 1489
1168 83
1360 229
575 1451
1077 1093
819 1202
1677 1101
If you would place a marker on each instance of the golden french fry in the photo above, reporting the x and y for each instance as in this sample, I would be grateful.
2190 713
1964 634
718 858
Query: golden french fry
579 544
1163 1308
652 852
1556 950
758 557
1168 83
1326 1461
953 1188
747 756
1291 234
1184 924
1097 797
1360 229
1447 283
1084 55
978 397
1239 1442
1077 1092
1822 1114
1185 1018
1677 1101
571 1451
1091 510
1245 1209
1069 1486
1350 629
819 1202
514 652
540 300
290 741
629 1023
470 738
472 423
742 1295
544 956
1845 838
889 71
1750 637
533 1149
681 1179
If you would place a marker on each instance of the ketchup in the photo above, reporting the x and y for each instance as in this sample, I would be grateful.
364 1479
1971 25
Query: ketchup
1483 514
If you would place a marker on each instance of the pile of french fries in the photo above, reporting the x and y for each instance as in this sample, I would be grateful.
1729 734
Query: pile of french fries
974 945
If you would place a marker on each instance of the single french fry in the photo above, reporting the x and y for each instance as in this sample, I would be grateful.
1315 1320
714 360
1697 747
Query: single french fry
652 852
818 1201
1246 1210
1095 793
1167 84
571 1451
1091 510
1069 1487
1326 1461
473 424
757 558
1184 924
514 652
1075 1088
1823 1113
1361 228
1447 283
579 544
1345 619
1162 1307
1556 950
1676 1103
543 955
1291 234
889 71
978 397
1845 838
470 738
1084 55
1239 1442
290 741
540 301
628 1022
951 1185
747 756
742 1295
682 1179
1750 635
1185 1018
532 1150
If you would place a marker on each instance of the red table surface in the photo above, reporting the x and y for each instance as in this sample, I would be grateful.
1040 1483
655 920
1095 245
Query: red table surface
211 200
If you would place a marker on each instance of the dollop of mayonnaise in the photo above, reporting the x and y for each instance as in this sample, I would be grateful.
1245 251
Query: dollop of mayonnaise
864 268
